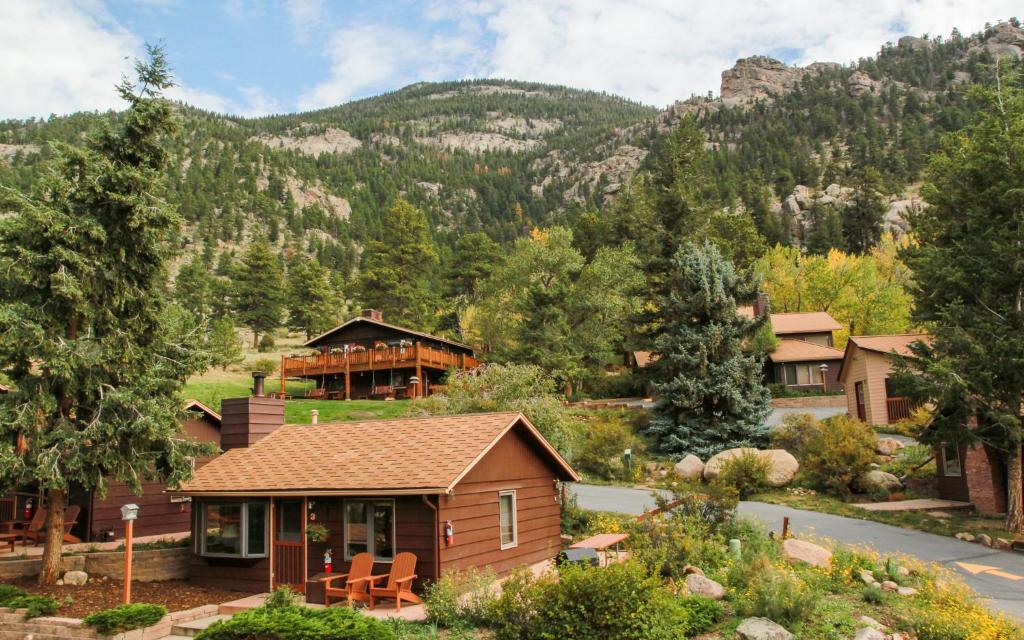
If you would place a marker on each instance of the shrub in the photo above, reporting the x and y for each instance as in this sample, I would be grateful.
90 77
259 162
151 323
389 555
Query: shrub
266 365
873 594
125 618
461 598
281 598
602 447
836 452
793 432
299 623
714 503
701 614
514 613
35 606
266 343
747 473
8 592
665 545
781 597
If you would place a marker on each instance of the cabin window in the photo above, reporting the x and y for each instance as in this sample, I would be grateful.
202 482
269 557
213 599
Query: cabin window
801 373
370 528
951 459
507 519
234 529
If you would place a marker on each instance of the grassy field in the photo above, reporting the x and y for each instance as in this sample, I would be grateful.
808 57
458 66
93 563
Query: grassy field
216 384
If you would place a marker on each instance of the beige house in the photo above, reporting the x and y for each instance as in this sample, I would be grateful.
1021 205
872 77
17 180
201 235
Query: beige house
864 372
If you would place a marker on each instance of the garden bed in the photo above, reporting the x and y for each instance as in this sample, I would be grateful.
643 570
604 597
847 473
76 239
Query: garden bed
103 593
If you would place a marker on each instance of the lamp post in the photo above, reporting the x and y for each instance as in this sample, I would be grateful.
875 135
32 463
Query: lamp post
824 377
129 513
414 382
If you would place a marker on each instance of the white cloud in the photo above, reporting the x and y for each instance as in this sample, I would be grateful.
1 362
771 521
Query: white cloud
658 51
59 58
365 58
305 17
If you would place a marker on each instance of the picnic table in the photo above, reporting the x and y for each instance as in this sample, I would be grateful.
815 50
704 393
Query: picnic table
602 542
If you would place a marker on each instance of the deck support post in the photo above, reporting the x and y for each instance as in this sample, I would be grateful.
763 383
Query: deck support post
282 375
348 380
417 391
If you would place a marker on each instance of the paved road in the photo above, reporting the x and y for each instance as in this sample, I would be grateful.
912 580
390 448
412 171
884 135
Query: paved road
820 413
996 575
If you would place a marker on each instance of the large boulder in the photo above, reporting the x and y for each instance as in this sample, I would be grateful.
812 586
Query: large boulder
867 633
782 466
878 479
807 552
762 629
690 468
702 586
76 578
888 446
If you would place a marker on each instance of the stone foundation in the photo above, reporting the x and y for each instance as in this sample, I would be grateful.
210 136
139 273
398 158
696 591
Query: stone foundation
150 565
810 402
13 626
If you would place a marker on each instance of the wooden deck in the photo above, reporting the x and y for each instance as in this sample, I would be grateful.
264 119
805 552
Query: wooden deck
413 357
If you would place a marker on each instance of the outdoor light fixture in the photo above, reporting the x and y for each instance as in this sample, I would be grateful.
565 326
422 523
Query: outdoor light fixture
414 382
129 513
824 378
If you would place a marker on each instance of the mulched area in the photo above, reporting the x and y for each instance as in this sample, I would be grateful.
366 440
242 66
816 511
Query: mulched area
103 593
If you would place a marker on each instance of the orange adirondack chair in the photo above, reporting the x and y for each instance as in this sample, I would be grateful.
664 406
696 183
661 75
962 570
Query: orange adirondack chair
356 581
34 525
399 582
36 533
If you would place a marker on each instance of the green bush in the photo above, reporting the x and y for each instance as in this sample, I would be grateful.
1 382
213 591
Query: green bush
747 473
266 365
299 623
281 598
514 613
701 614
794 431
666 545
9 592
125 618
602 447
781 597
35 606
266 344
713 503
461 598
835 452
873 594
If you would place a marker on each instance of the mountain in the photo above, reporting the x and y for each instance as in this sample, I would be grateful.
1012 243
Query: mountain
789 146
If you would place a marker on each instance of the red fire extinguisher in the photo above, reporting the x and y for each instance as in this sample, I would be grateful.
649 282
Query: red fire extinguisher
28 509
449 533
327 561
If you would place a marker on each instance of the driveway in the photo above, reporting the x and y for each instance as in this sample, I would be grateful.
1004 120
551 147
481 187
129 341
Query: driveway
820 413
995 575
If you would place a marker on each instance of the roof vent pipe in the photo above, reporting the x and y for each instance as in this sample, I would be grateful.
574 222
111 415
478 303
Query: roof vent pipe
315 414
257 383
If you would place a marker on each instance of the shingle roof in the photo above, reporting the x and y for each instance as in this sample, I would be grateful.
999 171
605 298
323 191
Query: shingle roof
380 323
798 322
644 358
898 344
409 455
803 351
3 389
194 405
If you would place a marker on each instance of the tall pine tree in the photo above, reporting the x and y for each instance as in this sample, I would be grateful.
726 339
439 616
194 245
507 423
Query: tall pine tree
259 292
313 304
96 356
711 379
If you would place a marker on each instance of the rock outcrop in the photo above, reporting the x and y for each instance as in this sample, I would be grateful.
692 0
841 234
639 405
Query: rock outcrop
782 466
757 78
330 141
706 587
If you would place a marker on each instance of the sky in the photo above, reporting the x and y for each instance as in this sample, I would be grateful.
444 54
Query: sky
257 57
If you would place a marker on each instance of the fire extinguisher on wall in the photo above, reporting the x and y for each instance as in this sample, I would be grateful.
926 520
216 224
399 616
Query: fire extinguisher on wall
449 533
28 509
327 561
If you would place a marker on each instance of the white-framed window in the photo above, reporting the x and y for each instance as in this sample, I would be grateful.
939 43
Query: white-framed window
951 460
370 527
507 521
233 529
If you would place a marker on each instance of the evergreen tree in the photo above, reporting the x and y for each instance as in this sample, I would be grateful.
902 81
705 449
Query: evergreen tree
96 355
224 346
713 395
259 290
862 222
968 286
826 230
475 258
313 304
397 270
192 287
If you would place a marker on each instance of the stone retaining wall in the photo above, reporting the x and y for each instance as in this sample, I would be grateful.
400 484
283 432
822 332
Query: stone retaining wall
150 565
13 626
810 402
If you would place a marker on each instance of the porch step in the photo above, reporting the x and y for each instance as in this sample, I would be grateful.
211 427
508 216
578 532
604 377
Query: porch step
193 627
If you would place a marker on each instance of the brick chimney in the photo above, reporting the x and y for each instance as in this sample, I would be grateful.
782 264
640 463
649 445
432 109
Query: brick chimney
761 306
373 314
246 421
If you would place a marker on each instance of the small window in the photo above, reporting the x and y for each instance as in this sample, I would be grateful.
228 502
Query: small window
951 460
234 529
370 527
507 519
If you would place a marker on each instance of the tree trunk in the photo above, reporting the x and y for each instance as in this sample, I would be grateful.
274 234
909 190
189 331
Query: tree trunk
1014 495
53 567
255 340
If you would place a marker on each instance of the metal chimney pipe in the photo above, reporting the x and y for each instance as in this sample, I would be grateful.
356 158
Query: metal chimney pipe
315 413
257 383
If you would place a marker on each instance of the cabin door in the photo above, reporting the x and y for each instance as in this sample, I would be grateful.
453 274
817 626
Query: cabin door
290 544
858 391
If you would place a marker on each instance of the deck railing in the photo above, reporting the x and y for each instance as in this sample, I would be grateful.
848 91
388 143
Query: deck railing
390 357
899 408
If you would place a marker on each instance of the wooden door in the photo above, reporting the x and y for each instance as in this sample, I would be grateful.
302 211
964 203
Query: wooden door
858 390
290 544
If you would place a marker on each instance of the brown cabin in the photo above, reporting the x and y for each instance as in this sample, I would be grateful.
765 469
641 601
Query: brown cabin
381 486
367 358
160 514
871 395
805 357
